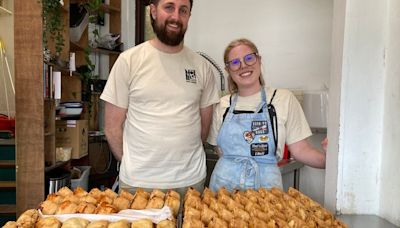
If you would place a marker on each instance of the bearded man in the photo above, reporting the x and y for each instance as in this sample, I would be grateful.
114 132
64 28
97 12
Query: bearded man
158 106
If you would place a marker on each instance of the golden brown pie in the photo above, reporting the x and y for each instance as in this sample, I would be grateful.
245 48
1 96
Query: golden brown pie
64 191
121 203
166 224
98 224
28 218
49 222
48 207
142 223
119 224
75 223
67 207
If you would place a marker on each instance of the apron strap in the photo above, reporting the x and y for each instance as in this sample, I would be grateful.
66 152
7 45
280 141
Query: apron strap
273 118
250 165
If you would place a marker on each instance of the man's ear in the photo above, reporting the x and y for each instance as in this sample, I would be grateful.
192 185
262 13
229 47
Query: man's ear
153 11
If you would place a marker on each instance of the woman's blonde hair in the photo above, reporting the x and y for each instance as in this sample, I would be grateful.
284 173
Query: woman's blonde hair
233 88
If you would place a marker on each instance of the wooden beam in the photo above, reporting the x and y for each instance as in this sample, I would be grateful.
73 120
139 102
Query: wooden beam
29 104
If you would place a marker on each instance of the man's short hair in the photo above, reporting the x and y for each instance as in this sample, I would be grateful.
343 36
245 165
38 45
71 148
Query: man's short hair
155 2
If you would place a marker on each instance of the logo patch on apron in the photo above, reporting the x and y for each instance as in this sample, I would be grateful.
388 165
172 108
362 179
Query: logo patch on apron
248 136
259 149
259 127
264 138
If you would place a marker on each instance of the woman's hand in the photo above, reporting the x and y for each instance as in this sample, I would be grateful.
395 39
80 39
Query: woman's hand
324 144
218 151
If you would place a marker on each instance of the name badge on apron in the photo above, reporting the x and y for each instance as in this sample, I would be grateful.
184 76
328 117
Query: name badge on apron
259 149
259 127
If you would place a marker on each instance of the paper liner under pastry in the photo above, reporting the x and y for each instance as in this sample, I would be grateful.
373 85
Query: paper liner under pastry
155 215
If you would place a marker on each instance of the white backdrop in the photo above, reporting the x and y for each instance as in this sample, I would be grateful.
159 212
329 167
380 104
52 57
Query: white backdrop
293 37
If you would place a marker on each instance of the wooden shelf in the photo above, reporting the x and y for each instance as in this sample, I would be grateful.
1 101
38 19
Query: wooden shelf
7 185
109 9
5 11
62 69
7 209
7 164
105 51
76 47
57 165
48 133
106 8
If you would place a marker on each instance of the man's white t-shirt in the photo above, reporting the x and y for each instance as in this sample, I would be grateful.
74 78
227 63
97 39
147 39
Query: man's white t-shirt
163 94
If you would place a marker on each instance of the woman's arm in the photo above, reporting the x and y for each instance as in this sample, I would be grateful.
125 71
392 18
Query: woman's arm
306 153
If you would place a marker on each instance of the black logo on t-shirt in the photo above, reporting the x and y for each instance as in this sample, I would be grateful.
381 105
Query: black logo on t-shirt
190 76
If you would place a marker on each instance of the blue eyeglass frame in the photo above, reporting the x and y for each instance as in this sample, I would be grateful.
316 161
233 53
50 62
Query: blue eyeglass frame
239 63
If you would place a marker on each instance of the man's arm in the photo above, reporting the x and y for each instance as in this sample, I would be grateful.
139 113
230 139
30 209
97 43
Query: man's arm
304 152
114 118
206 115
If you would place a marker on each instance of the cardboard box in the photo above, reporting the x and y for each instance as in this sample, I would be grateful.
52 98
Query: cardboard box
73 133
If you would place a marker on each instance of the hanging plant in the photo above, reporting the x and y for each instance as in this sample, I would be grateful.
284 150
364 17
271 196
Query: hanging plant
95 13
53 24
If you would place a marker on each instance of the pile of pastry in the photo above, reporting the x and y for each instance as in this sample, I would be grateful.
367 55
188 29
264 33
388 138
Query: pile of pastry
254 208
66 201
80 203
32 219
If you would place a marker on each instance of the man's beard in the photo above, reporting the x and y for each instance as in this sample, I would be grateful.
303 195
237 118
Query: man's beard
168 38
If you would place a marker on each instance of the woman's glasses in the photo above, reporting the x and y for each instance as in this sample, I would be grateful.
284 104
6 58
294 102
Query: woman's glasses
249 60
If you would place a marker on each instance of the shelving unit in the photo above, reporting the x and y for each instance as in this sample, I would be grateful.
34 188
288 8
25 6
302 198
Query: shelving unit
36 115
49 103
7 180
113 9
76 47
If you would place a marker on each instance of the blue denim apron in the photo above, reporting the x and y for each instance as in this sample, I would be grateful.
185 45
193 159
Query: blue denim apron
248 147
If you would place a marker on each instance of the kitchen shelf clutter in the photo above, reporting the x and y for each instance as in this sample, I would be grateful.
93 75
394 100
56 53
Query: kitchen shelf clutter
40 127
71 131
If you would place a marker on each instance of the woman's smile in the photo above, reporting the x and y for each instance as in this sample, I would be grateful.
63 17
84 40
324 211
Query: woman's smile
246 74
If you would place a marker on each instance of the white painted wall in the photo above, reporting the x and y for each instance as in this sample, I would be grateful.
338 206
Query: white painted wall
366 66
293 37
7 36
333 158
390 168
362 106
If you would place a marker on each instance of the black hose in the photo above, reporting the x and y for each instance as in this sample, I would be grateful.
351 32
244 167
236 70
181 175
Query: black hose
212 61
